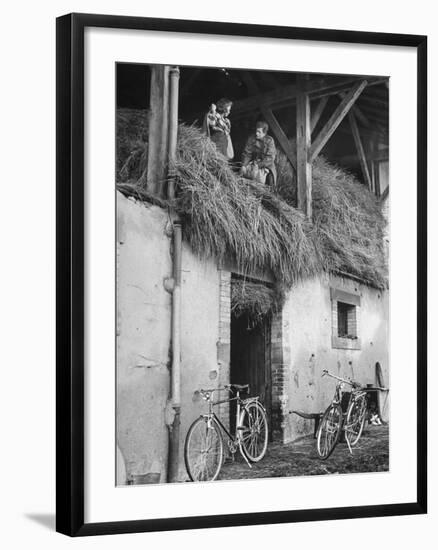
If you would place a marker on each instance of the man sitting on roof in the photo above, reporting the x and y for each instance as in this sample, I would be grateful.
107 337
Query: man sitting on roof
258 158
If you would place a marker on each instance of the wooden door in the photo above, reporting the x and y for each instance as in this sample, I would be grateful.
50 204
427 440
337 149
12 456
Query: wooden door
251 358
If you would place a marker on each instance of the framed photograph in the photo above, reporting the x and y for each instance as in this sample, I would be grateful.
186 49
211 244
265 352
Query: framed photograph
241 274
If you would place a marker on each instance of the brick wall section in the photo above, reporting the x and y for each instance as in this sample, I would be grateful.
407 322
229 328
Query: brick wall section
280 362
224 342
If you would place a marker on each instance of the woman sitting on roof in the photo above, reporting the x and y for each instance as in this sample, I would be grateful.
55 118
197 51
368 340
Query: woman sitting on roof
258 158
217 126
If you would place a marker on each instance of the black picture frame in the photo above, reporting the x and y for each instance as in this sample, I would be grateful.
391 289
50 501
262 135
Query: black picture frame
70 273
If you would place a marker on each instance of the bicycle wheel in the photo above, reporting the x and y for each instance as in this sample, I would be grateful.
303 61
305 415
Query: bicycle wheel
329 430
355 420
203 450
254 431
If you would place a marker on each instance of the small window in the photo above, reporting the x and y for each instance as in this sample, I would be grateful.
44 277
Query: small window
347 321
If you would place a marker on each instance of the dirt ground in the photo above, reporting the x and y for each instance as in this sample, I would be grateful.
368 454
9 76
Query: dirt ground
300 458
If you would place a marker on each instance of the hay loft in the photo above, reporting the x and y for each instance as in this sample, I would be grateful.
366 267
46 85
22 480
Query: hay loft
228 217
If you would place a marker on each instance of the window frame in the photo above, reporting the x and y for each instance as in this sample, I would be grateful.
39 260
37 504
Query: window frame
345 342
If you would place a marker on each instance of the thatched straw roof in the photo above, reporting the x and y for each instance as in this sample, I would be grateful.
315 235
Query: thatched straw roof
226 216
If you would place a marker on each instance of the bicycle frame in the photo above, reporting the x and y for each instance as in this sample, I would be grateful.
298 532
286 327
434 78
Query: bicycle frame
355 393
236 439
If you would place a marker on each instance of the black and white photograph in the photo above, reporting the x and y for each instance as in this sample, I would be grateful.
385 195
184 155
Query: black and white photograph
218 257
252 286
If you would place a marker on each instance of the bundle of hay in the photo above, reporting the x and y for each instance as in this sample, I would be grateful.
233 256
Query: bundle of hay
348 220
254 299
228 217
349 224
131 144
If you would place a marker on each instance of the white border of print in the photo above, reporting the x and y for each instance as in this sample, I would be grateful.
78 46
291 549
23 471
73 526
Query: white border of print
103 500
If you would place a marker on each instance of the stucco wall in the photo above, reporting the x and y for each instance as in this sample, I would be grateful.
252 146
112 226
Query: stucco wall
307 341
302 341
199 338
144 334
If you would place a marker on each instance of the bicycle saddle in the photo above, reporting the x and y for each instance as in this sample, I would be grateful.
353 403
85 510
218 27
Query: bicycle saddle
239 387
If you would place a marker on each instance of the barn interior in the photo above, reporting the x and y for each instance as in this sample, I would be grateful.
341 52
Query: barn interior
352 109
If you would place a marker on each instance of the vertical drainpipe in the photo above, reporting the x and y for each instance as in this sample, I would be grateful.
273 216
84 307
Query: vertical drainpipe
174 427
173 127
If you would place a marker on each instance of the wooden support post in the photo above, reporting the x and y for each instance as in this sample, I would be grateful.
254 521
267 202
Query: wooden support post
316 115
360 150
158 131
304 166
371 163
337 117
376 173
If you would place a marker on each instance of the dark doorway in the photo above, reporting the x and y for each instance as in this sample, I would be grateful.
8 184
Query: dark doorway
251 360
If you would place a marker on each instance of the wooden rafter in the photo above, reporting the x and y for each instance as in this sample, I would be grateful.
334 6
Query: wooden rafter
340 112
316 115
377 133
272 121
374 100
245 106
377 109
279 134
358 112
286 95
360 149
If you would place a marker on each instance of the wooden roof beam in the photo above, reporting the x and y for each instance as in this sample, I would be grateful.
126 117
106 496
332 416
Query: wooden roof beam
377 133
359 113
371 98
244 106
337 117
360 149
280 135
286 95
316 115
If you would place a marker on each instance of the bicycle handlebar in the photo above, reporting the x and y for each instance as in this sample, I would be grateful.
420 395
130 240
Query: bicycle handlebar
353 384
208 394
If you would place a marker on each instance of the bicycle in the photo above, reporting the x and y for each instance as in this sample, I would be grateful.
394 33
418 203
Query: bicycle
204 445
335 420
